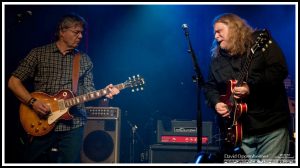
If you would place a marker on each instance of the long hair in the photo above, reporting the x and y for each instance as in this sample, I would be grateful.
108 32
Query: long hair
68 21
240 34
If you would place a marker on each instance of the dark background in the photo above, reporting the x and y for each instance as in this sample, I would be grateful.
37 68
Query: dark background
126 40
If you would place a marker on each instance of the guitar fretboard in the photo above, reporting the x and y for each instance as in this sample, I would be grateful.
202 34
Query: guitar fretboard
244 71
263 38
90 96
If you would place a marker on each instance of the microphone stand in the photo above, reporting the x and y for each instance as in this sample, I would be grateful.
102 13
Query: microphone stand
133 142
198 79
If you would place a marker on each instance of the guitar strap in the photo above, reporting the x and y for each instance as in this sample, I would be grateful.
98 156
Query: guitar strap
75 74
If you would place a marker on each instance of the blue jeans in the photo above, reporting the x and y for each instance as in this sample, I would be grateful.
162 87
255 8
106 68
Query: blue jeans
266 148
57 147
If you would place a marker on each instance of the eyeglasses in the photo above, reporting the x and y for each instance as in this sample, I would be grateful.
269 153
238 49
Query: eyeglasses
76 33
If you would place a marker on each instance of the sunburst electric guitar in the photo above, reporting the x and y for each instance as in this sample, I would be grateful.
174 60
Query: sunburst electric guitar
60 103
236 107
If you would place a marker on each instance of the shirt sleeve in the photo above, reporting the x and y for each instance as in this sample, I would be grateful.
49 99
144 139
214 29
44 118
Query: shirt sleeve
211 90
26 68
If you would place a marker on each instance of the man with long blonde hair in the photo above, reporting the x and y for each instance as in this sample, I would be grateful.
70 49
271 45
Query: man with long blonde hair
245 87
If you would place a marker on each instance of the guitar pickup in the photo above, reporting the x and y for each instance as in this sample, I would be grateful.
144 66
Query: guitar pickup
61 104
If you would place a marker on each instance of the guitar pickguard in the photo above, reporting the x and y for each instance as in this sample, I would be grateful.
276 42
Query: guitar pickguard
55 115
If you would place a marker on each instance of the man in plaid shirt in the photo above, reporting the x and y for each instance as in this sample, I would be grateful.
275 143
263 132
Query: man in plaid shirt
50 66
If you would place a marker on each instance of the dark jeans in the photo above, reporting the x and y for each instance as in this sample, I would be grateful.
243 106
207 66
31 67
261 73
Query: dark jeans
55 147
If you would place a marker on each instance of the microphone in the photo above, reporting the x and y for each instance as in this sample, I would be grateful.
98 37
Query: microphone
185 29
184 26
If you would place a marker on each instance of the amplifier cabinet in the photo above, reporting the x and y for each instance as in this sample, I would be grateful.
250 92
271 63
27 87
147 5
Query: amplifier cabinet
170 153
165 153
101 140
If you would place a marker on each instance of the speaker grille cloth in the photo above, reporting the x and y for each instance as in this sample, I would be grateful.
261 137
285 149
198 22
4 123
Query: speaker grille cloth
98 146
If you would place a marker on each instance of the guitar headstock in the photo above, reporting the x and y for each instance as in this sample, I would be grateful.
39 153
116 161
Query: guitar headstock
135 82
262 41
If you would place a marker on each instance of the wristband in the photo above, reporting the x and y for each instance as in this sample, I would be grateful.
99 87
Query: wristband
31 101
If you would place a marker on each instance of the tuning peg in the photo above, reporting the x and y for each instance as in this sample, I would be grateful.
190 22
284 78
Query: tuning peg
142 88
132 90
137 89
270 42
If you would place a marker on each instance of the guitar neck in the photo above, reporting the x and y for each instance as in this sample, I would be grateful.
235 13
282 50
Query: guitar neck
246 65
91 96
244 70
260 41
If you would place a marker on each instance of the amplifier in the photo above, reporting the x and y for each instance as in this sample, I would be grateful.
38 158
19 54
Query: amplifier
101 139
182 139
175 153
103 112
163 153
182 132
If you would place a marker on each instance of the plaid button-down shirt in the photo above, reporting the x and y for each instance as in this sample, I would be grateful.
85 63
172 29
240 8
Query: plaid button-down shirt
52 72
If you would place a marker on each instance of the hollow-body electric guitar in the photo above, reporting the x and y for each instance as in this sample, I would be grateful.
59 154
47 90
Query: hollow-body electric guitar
59 104
237 107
